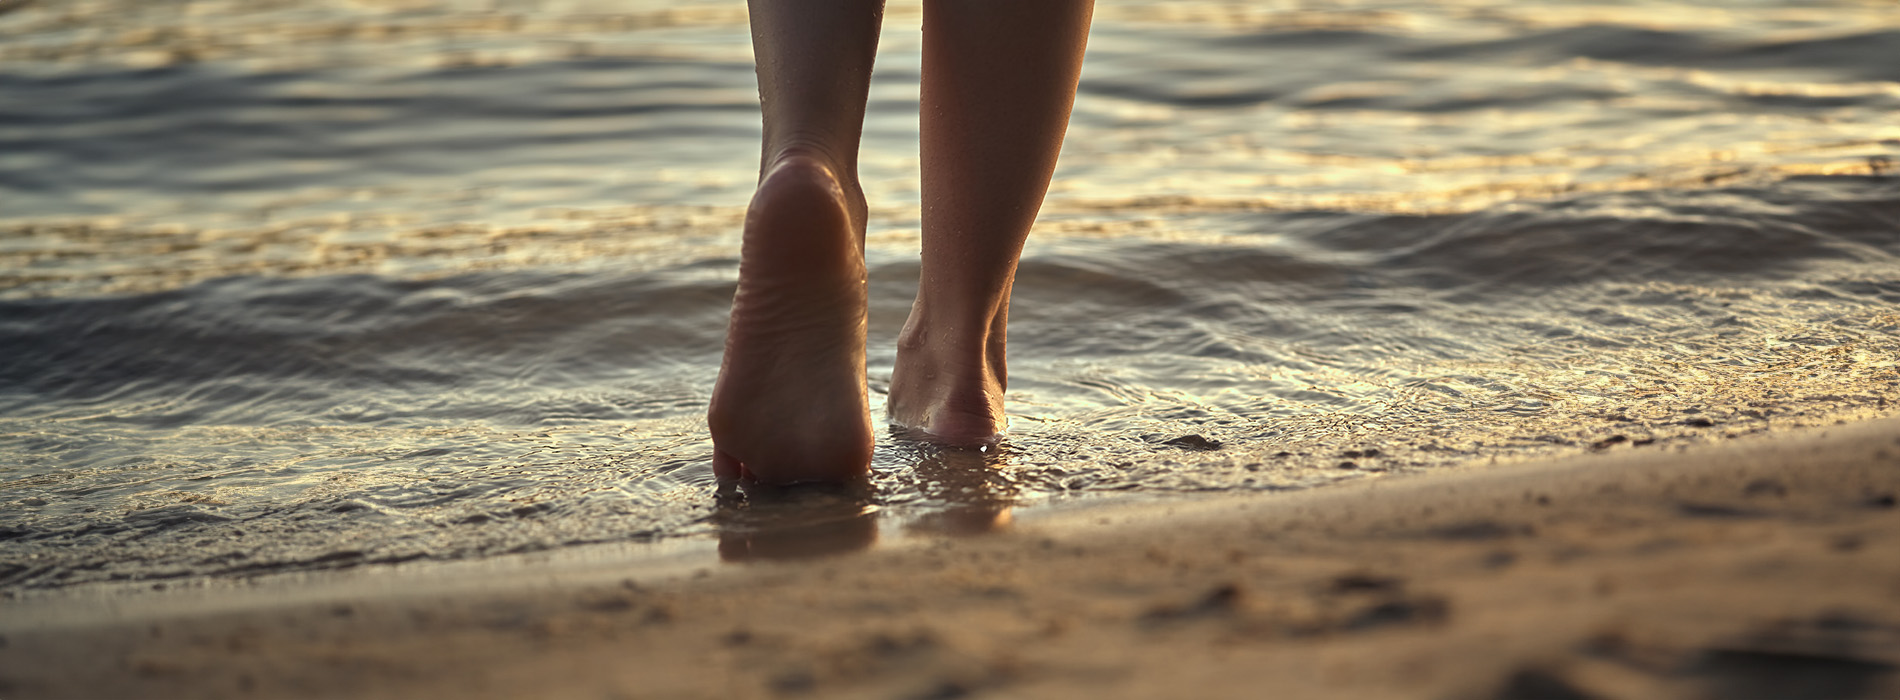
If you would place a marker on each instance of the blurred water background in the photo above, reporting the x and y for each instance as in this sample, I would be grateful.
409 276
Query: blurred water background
306 284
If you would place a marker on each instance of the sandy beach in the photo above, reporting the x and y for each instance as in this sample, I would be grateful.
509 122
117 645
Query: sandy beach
1755 567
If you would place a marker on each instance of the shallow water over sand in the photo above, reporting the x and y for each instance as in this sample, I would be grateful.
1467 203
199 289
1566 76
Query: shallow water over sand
309 285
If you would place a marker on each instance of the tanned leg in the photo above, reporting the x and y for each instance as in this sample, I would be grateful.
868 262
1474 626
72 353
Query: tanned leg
790 402
999 81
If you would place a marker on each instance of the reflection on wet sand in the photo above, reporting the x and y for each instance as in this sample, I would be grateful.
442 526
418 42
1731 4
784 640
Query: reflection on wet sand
763 522
803 534
976 488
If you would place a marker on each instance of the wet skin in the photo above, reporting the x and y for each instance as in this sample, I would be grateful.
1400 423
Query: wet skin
998 83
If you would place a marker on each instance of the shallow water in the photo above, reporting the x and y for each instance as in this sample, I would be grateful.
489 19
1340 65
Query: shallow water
304 285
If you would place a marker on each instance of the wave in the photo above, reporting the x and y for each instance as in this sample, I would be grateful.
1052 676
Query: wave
251 342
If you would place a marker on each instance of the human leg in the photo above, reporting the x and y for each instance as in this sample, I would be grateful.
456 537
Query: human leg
790 401
999 81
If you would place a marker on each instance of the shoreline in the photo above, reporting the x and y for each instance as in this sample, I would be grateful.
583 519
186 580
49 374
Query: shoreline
1737 569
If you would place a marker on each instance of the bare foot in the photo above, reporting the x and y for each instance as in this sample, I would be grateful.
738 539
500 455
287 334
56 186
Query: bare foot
790 402
947 385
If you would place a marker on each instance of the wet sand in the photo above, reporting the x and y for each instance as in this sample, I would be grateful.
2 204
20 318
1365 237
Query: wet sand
1757 567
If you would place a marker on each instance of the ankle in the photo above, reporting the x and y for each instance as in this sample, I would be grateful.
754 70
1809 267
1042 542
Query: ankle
969 345
840 167
808 151
801 244
820 163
